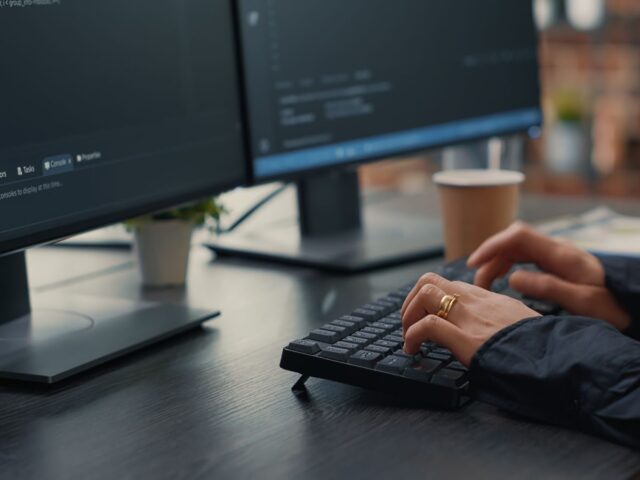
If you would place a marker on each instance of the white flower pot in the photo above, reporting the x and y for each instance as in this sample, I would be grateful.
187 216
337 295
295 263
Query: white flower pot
162 248
567 147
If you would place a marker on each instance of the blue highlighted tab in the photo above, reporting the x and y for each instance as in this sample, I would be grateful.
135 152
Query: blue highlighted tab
57 164
396 143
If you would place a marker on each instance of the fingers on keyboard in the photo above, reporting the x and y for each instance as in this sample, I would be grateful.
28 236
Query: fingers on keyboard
371 337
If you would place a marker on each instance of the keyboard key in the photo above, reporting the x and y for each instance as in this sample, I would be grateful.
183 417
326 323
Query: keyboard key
368 315
385 301
467 277
375 331
364 358
322 345
423 370
335 328
449 378
383 326
393 302
395 315
428 365
394 338
304 346
450 272
393 364
379 349
400 295
407 288
401 353
509 292
347 345
349 326
415 374
335 353
457 366
425 350
388 307
356 340
380 309
500 285
367 336
324 335
397 344
360 322
392 322
441 350
387 344
439 356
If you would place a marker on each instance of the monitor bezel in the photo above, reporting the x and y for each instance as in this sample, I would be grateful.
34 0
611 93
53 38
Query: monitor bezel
401 155
56 234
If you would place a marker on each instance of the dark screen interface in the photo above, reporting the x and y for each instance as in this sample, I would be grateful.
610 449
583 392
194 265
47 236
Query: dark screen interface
336 81
110 105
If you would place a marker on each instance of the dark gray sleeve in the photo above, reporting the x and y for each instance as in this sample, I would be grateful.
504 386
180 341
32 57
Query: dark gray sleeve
623 281
572 371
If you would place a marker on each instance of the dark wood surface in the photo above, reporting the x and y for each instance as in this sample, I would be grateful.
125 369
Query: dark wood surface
214 404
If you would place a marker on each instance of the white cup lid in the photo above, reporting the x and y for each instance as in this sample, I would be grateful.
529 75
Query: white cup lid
478 178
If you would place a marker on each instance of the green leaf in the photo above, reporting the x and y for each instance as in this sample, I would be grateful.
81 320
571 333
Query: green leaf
199 213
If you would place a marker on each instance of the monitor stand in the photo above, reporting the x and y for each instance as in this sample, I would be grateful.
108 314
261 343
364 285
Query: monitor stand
64 335
334 233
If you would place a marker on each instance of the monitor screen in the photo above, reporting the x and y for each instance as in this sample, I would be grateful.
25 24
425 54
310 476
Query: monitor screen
110 109
332 82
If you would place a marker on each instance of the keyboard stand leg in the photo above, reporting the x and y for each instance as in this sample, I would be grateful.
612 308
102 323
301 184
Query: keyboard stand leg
299 387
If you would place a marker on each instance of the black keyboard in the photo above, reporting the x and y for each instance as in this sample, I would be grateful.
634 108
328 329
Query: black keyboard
365 349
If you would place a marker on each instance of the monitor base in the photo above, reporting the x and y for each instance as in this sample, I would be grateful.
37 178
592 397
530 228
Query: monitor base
64 336
333 231
378 245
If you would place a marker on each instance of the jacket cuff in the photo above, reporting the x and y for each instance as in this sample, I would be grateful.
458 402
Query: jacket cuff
622 279
535 367
616 271
571 371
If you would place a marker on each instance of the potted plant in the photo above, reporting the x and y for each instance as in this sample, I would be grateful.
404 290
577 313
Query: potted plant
163 241
568 145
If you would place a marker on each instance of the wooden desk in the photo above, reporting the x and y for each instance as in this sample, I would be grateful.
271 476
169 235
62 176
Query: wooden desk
214 404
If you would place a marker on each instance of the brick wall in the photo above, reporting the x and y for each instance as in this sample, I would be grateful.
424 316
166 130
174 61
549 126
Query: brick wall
604 66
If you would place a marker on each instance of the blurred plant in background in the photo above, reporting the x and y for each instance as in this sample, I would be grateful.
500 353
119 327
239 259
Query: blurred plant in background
569 106
567 134
590 71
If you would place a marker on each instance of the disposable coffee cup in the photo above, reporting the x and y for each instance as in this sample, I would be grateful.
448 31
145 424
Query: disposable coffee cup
475 205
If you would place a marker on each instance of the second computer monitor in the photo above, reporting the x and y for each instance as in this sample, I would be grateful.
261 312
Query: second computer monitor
331 82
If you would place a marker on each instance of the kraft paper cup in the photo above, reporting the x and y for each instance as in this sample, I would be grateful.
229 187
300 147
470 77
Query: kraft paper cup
475 205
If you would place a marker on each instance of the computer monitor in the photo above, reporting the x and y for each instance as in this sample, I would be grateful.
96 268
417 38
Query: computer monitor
333 83
108 110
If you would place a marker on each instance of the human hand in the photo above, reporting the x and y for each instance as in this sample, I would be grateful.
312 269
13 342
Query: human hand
572 278
476 316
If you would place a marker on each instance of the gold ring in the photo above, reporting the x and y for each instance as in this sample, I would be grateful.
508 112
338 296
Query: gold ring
446 304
